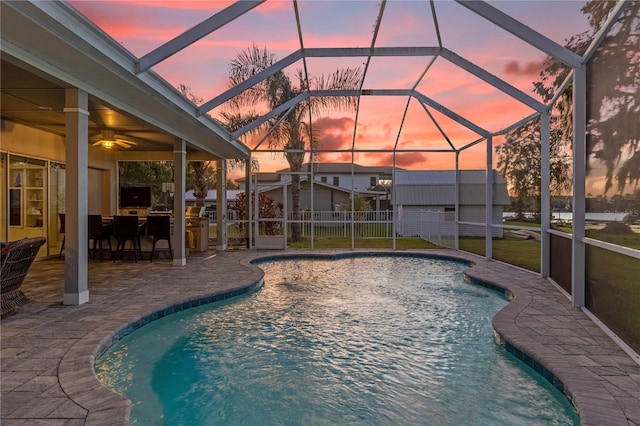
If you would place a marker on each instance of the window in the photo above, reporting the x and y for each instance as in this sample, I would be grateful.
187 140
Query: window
336 180
323 179
372 181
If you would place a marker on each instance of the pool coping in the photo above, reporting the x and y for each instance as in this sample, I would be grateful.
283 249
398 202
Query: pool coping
559 374
105 406
601 380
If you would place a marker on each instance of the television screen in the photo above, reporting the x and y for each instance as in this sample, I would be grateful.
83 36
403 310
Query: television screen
135 196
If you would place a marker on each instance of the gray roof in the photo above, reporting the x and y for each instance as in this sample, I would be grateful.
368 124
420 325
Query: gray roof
212 195
304 183
437 188
345 168
263 177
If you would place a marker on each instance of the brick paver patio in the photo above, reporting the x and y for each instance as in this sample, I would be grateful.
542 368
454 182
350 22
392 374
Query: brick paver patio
47 349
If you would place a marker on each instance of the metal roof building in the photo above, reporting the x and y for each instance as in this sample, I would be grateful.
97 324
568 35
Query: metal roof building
438 188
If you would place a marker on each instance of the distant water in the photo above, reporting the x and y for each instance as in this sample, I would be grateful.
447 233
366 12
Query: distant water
568 216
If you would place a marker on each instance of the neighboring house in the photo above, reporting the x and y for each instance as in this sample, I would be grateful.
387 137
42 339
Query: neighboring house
332 183
362 179
212 196
264 179
435 192
325 197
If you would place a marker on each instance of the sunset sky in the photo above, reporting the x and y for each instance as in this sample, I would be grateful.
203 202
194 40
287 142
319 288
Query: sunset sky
141 26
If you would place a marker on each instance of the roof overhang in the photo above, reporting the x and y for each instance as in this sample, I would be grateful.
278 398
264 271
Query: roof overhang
54 41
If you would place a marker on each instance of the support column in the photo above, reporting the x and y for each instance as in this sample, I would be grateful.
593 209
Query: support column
313 203
456 244
545 195
285 203
393 198
221 205
488 243
353 201
579 173
180 178
248 203
256 211
76 248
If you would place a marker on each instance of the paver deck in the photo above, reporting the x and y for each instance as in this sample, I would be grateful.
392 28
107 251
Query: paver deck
48 350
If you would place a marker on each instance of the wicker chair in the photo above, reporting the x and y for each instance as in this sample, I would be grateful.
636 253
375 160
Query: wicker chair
17 258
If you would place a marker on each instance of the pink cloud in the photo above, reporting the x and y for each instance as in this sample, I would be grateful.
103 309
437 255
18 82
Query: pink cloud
411 160
141 26
336 132
530 69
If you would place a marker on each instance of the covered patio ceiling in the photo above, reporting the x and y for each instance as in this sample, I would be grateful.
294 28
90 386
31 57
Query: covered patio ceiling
439 76
47 47
38 102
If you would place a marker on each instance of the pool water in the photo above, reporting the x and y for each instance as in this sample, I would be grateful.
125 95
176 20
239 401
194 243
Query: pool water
362 341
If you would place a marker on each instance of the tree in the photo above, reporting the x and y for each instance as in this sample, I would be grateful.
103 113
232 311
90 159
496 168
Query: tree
519 161
203 178
295 134
268 208
360 208
614 108
614 100
202 174
360 204
146 173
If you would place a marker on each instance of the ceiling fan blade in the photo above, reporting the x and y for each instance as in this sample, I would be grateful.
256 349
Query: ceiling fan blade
97 143
123 144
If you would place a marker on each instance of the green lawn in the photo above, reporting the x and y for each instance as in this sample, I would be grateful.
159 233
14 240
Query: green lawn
626 240
522 253
521 223
372 243
613 292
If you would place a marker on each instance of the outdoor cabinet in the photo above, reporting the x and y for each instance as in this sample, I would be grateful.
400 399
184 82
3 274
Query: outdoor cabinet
197 234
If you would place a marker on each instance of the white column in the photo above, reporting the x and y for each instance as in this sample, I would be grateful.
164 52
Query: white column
393 198
221 205
353 214
457 205
313 205
285 204
545 196
248 203
180 178
579 173
76 247
488 250
256 210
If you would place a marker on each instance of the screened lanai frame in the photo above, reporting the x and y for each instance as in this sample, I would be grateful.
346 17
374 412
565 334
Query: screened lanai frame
565 56
576 79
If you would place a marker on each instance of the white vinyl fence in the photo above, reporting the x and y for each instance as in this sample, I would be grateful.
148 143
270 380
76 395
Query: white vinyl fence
434 226
437 227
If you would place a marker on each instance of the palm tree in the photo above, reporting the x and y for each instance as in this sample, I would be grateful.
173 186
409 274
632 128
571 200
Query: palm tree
295 133
204 172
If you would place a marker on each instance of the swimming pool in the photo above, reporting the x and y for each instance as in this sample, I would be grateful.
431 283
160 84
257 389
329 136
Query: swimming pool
362 340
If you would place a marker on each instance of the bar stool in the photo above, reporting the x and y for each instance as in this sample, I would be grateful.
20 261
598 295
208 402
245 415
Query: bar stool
160 228
98 233
125 228
61 217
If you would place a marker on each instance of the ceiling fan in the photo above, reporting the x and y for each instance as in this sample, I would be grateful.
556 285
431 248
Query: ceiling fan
109 140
